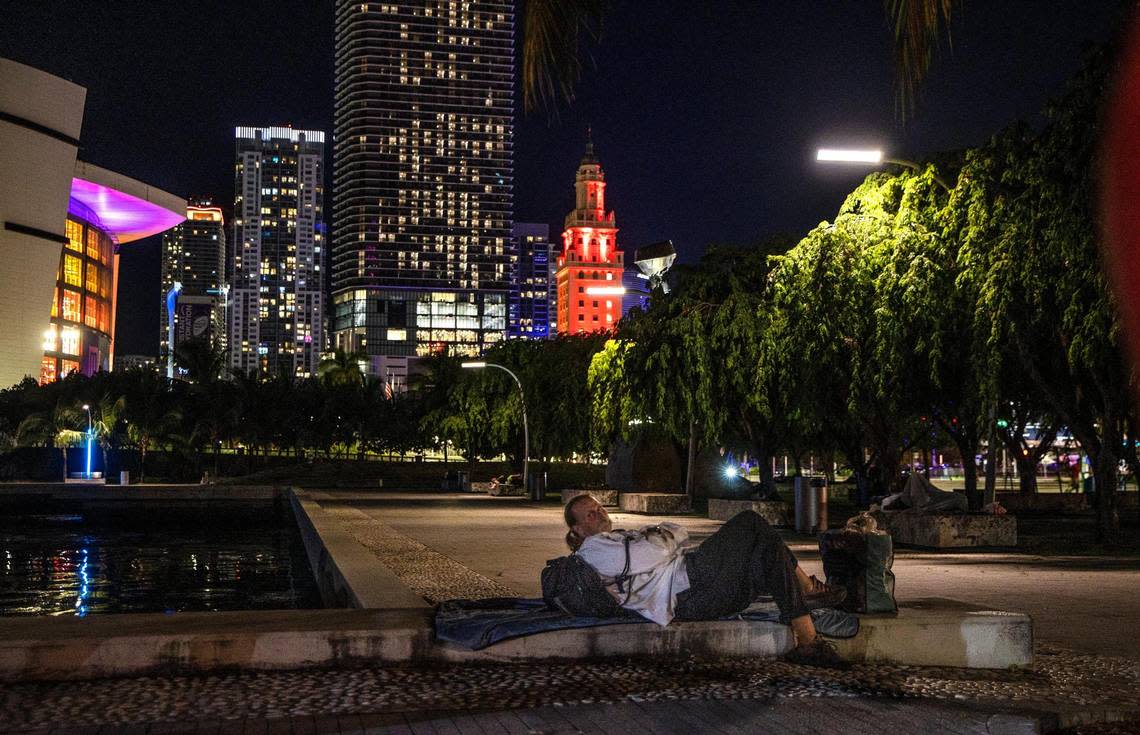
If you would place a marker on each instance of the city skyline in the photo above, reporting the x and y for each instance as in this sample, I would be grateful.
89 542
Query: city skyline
690 77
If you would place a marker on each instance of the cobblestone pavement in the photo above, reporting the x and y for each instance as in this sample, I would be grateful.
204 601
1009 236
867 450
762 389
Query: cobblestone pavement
1057 680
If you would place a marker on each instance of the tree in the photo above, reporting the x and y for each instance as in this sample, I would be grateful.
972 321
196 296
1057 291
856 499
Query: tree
148 413
1031 248
57 426
342 368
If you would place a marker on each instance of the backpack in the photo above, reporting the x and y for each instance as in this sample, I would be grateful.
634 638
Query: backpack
571 585
860 562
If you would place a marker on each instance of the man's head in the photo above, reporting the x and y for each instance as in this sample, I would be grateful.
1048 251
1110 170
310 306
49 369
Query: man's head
585 517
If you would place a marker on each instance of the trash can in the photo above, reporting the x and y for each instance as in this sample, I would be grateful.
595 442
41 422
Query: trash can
537 482
807 505
819 485
125 477
462 484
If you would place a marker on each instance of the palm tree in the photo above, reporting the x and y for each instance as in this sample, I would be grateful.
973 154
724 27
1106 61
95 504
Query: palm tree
55 427
343 368
202 359
150 419
553 32
107 424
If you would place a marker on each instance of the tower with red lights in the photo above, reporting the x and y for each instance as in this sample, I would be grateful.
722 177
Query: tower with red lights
590 266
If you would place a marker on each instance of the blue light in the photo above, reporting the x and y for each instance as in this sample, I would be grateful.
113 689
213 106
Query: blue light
89 437
84 587
730 472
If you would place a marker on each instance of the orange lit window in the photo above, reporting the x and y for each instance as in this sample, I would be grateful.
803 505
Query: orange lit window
91 312
74 232
105 250
55 303
105 317
47 369
71 306
66 367
105 285
92 243
92 277
72 270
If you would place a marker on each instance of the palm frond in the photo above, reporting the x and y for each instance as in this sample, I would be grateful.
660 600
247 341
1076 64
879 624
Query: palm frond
918 26
551 49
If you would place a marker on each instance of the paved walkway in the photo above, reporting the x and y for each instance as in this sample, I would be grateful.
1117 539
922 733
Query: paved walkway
1086 604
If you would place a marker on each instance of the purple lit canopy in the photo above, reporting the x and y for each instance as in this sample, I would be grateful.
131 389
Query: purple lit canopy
125 209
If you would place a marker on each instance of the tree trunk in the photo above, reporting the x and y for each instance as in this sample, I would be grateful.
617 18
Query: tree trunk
991 473
1105 473
142 462
1027 475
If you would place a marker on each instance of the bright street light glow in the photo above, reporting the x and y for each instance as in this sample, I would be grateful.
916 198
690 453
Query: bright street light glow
85 407
849 155
474 365
730 471
605 290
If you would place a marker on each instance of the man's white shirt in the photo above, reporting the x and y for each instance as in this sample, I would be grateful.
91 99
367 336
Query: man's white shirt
656 567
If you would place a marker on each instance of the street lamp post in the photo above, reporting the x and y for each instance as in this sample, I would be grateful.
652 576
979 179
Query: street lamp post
476 365
871 156
87 408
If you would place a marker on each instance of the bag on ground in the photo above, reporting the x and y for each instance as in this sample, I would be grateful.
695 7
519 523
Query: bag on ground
861 562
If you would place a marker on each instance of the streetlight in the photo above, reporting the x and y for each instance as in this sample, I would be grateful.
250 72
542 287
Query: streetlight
87 408
872 156
477 365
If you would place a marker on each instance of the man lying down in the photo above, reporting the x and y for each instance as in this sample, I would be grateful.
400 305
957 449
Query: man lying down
665 577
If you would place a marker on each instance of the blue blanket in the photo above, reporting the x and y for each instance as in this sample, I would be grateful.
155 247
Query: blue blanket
476 624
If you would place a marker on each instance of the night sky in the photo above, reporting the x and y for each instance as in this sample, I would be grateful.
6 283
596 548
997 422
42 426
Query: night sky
705 114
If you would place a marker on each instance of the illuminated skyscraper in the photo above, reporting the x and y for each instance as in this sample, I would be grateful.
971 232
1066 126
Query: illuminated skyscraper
590 267
532 294
194 255
423 174
276 294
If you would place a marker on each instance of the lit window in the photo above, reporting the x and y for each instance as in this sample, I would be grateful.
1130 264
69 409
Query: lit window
74 232
47 370
71 306
397 335
72 270
92 243
92 278
66 367
91 312
69 341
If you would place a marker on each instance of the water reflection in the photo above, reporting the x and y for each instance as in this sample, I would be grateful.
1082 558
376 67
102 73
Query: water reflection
152 562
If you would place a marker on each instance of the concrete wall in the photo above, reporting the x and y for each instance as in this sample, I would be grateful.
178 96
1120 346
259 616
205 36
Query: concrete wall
35 180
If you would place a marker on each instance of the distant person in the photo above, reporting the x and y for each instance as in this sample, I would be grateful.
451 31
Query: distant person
671 579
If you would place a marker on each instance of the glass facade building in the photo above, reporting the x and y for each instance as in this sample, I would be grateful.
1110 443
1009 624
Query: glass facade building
79 336
423 174
194 255
276 313
532 291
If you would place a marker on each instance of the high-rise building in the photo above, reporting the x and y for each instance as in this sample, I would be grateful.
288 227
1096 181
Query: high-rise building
423 159
532 290
194 258
590 267
276 319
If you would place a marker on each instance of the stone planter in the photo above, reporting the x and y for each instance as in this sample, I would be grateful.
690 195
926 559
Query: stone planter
775 512
604 496
654 503
945 531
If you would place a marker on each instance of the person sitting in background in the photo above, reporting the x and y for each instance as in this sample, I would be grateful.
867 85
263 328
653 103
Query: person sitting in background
667 578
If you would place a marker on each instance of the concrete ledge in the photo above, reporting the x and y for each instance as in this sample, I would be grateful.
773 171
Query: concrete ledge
943 633
605 497
654 503
347 574
945 531
775 512
171 493
929 634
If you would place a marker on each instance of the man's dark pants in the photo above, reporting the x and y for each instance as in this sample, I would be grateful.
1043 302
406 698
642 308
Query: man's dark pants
743 560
